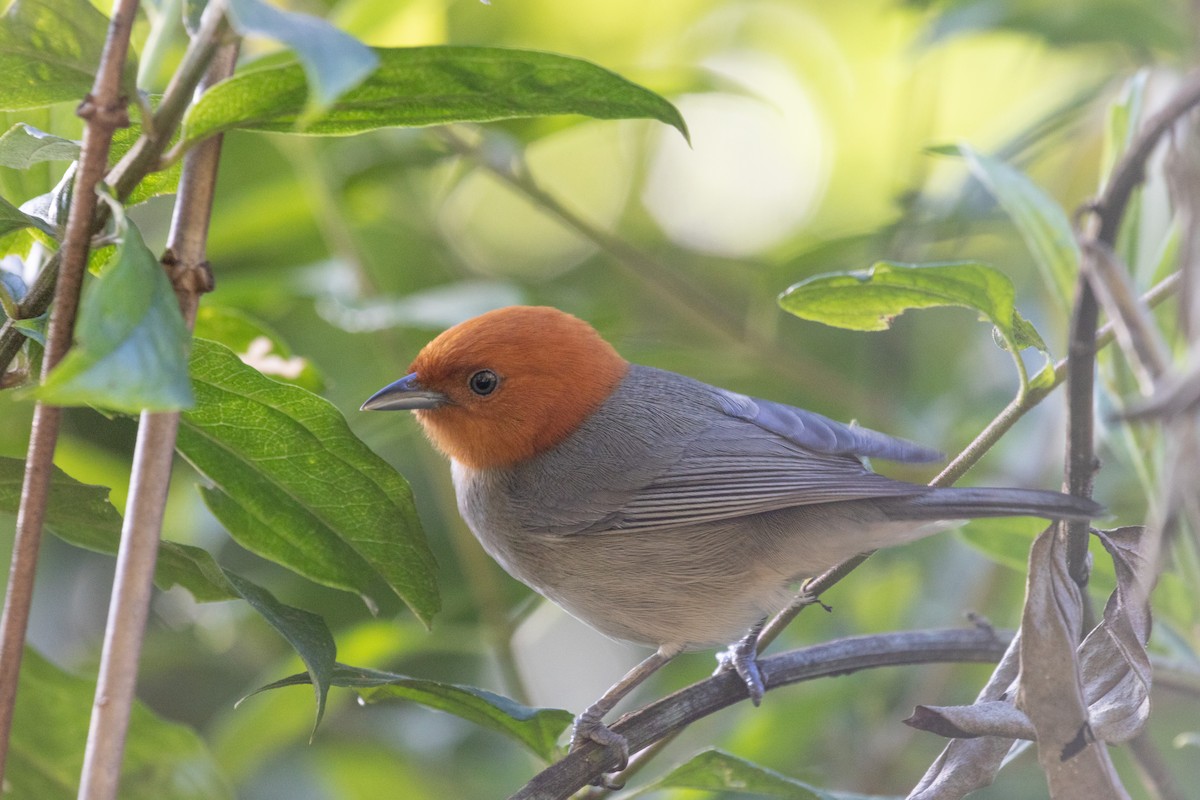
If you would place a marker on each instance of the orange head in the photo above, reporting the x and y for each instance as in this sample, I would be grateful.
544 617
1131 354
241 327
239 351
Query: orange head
506 385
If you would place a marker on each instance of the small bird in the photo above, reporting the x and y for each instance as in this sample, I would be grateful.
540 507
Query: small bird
654 507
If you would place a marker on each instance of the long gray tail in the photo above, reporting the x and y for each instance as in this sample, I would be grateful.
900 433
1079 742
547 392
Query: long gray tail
968 503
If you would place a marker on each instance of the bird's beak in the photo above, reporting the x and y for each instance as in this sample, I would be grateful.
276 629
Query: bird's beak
405 394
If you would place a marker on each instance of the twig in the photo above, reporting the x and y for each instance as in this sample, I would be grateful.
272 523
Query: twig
103 110
186 263
1101 232
680 709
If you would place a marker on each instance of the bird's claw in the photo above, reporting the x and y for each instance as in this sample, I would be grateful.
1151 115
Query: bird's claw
742 658
590 727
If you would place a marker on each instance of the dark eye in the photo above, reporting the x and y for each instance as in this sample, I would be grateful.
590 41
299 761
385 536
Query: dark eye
483 382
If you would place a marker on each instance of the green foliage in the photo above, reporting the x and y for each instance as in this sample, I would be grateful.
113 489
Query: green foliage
293 484
306 632
426 86
536 728
49 50
871 300
334 62
22 146
162 759
82 515
131 341
718 771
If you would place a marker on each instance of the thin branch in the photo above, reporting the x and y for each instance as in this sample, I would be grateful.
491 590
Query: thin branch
1101 232
841 657
185 262
103 110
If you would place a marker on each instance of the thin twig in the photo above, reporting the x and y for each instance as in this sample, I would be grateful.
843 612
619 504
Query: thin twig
103 110
1101 231
185 262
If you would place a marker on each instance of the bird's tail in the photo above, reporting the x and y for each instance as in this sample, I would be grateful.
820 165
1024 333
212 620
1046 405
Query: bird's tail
969 503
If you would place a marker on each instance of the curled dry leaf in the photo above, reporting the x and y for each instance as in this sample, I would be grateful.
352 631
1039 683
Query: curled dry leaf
1108 675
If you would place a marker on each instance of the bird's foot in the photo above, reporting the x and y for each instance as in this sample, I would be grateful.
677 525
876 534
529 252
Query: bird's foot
742 658
589 726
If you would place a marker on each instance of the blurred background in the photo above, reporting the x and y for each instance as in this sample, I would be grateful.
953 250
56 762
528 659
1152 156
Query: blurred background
811 127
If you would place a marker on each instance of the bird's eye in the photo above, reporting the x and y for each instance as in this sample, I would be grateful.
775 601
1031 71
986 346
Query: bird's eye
483 382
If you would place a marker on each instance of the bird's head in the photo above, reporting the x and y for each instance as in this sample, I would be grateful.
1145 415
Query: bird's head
507 385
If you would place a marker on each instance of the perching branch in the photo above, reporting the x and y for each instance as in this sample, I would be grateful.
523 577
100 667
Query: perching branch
186 264
841 657
103 111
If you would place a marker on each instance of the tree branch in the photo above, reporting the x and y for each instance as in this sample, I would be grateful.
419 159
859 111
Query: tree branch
103 110
133 585
699 700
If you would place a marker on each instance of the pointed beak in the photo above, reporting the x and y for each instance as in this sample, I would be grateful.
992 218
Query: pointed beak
404 395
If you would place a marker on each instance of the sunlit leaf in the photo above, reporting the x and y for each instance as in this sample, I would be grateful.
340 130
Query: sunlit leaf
22 146
50 727
536 728
49 52
428 86
334 61
871 300
306 632
131 343
1041 221
292 483
83 516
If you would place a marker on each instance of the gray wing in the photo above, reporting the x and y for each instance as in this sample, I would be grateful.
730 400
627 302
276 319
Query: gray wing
758 457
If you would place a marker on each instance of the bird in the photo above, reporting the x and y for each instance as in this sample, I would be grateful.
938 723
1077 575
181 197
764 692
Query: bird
656 508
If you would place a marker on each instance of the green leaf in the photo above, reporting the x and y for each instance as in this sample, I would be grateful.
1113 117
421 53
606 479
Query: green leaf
83 516
428 86
164 181
131 344
1041 222
13 219
50 726
536 728
334 61
304 631
49 52
717 771
257 345
871 300
22 146
293 484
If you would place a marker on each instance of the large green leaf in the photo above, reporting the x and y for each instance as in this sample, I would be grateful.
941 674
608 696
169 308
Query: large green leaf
427 86
305 631
50 726
257 345
131 344
293 484
22 146
82 515
49 52
334 61
536 728
1041 221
